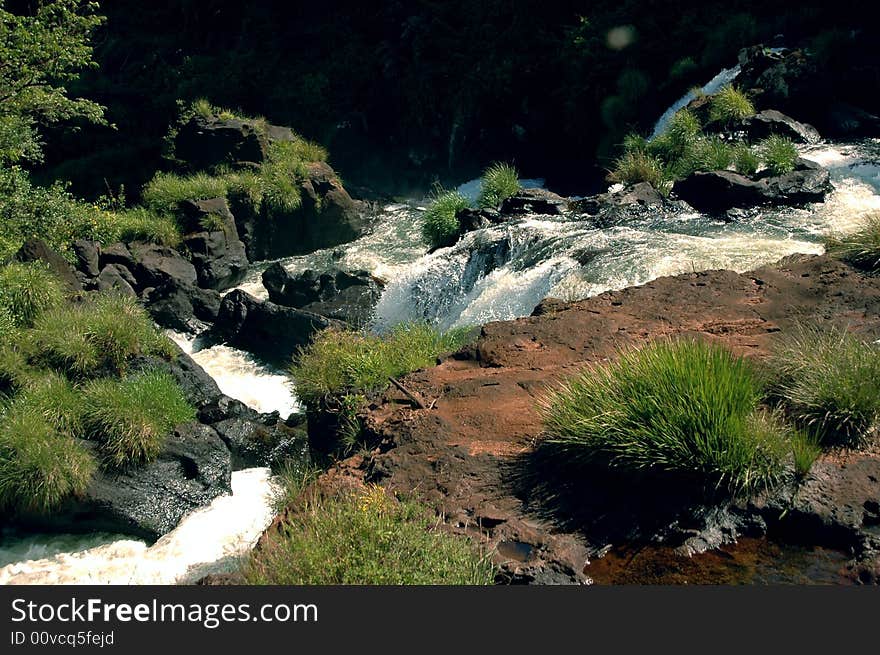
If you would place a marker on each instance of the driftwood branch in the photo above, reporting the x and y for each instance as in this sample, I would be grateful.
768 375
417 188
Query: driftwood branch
409 394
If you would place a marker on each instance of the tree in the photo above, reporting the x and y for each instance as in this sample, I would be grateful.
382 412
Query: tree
39 54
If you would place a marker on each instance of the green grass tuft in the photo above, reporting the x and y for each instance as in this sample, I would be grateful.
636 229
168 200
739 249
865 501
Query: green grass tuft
39 465
53 397
365 538
745 160
860 248
164 193
828 380
498 183
730 105
779 154
685 408
441 227
805 449
634 167
27 290
131 418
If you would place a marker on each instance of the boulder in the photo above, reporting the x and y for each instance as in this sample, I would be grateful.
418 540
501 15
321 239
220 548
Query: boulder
534 201
116 278
269 442
770 121
265 328
116 253
161 266
181 308
470 219
205 142
218 255
809 182
641 194
88 256
344 295
35 250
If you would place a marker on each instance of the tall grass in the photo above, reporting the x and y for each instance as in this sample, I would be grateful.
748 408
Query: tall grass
498 183
164 193
685 408
779 154
27 290
730 105
364 537
131 418
634 167
39 465
440 225
860 248
828 380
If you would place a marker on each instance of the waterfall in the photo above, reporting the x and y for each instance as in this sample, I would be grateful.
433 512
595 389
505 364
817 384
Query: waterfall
723 78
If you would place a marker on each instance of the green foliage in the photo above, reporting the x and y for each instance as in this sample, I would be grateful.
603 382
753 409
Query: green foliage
745 160
634 167
711 154
441 227
98 334
40 465
18 141
779 154
54 398
730 105
164 193
828 380
340 362
685 408
27 290
805 449
499 182
364 537
280 176
131 418
860 248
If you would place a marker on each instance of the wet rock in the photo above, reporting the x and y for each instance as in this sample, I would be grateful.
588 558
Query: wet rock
257 444
265 328
534 201
35 250
116 278
470 219
217 254
205 142
87 256
770 121
636 195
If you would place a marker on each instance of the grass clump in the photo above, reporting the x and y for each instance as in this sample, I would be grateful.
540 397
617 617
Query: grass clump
164 193
498 183
635 166
745 160
140 224
131 418
685 408
828 380
339 362
27 290
364 537
441 227
54 398
40 466
860 248
730 105
779 154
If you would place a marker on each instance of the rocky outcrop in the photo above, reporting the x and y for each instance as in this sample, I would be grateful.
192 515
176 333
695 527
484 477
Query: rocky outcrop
208 141
36 250
265 328
638 196
212 242
770 121
267 441
348 296
718 191
534 201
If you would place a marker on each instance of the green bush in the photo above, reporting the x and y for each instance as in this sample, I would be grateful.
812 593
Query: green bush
39 466
806 449
828 380
131 418
685 408
779 154
27 290
634 167
441 227
339 362
860 248
730 105
100 333
499 182
364 538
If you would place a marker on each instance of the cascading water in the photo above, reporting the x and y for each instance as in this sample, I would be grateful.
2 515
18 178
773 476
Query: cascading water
723 78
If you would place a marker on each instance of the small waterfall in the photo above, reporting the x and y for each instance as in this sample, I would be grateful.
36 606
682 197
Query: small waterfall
723 78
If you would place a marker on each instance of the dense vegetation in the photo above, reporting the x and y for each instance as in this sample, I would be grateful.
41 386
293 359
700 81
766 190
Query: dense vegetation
861 247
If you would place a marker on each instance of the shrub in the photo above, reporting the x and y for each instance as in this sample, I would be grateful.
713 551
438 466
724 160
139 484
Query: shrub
39 466
164 193
860 248
635 167
745 160
131 418
441 227
364 537
685 408
779 154
102 332
730 105
829 381
499 182
338 362
27 290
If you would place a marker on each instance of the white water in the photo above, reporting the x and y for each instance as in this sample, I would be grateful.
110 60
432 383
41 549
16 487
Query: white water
723 78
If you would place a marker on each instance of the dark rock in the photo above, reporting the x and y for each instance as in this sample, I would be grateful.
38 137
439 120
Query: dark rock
116 253
205 303
87 256
534 201
640 195
203 142
116 278
171 307
193 468
770 121
254 444
471 219
218 254
35 250
265 328
847 120
161 266
344 295
801 186
198 387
